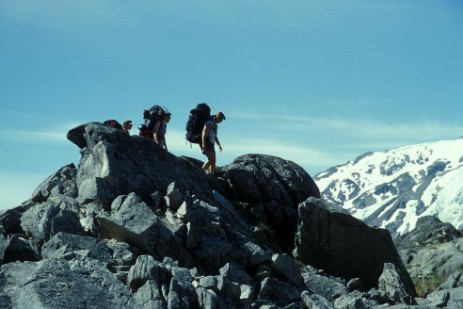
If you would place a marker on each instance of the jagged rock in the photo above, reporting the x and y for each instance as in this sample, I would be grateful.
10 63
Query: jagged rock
275 184
277 292
357 301
455 280
174 197
354 284
329 288
264 178
167 279
429 230
429 266
134 222
331 239
315 301
62 181
235 272
114 163
284 266
45 220
451 298
57 283
10 219
393 285
15 249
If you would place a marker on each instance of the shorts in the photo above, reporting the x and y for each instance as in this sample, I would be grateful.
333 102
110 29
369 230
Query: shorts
209 147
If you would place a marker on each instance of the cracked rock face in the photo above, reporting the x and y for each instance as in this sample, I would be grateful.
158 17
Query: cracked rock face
133 226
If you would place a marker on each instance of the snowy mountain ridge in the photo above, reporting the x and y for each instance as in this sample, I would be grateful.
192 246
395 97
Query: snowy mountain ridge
392 189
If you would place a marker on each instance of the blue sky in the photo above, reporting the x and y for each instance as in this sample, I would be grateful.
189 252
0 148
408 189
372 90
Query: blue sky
315 82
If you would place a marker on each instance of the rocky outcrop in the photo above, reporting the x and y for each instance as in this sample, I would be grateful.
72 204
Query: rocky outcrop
330 238
133 226
429 230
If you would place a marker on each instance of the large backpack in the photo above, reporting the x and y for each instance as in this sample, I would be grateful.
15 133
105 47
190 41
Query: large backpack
150 118
113 123
194 126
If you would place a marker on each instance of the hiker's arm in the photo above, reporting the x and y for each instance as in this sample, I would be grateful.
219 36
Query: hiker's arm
218 143
155 132
204 134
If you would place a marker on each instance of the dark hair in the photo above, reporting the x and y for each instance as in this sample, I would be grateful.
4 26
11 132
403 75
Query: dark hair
221 115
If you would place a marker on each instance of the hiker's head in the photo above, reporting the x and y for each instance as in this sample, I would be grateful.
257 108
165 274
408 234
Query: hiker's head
128 124
166 117
219 116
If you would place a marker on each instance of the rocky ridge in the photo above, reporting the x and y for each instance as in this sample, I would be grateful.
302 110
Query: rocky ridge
133 226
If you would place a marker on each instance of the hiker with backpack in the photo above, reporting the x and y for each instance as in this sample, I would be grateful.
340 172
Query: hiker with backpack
159 131
209 138
154 125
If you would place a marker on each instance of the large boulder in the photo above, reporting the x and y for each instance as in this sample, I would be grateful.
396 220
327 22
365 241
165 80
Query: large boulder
269 189
114 163
329 238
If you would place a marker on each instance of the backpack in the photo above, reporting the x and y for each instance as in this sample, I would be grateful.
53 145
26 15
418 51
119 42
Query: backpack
113 123
150 118
194 126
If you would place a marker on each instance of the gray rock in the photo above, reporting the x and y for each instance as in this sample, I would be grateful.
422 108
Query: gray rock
438 299
430 266
278 292
149 295
207 298
114 164
174 197
61 182
455 280
67 246
235 272
135 223
393 285
55 283
330 239
429 230
329 288
354 284
284 266
315 301
278 185
44 220
10 219
257 254
15 249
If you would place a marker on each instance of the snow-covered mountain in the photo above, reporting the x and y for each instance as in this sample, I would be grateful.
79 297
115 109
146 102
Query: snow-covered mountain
392 189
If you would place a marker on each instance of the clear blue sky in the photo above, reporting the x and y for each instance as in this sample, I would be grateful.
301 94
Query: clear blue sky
315 82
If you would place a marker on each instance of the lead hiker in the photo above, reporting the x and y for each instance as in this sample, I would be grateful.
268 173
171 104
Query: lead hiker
209 138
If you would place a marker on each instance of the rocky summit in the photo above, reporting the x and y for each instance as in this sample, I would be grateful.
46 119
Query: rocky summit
133 226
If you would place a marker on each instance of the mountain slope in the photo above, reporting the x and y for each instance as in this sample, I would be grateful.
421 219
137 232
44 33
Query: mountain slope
392 189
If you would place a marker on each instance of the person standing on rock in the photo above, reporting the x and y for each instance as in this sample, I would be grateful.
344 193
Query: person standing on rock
160 130
209 138
127 126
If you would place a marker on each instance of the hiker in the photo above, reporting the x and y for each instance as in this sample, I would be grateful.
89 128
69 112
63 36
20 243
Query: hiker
208 140
127 126
159 131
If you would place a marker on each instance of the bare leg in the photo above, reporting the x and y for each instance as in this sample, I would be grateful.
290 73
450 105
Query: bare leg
210 163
